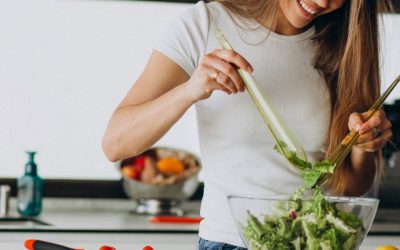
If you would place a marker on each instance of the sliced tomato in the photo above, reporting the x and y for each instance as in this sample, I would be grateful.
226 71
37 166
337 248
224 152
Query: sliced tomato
132 172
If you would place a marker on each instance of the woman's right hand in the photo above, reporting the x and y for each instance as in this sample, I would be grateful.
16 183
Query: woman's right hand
216 71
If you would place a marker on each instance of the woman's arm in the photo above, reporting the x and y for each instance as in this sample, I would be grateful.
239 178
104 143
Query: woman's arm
360 176
151 107
161 95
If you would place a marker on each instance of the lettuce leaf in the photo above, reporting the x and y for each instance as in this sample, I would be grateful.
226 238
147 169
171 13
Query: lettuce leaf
311 173
314 224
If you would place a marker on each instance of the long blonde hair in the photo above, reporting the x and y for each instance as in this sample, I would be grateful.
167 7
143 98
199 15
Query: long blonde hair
347 57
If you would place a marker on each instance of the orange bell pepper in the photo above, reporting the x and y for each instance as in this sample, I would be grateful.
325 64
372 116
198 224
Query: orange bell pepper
170 166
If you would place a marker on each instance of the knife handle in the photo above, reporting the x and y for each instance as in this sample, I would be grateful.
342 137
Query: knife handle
43 245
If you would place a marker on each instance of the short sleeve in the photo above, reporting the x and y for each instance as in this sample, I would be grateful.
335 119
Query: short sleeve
185 39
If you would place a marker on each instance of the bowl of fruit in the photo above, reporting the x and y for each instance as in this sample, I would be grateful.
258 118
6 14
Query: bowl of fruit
299 222
159 179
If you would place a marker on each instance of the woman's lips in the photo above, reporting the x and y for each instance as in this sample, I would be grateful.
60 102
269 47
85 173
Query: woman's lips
308 11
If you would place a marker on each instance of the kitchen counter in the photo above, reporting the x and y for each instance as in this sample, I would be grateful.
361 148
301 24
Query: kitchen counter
81 215
129 241
84 215
89 223
387 221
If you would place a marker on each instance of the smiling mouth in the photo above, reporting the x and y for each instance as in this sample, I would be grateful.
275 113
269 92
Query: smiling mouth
307 9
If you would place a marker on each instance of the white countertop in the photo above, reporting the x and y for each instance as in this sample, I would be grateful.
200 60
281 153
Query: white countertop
100 215
117 215
80 218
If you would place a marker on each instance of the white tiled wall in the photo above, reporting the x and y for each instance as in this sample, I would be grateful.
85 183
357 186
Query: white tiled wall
65 65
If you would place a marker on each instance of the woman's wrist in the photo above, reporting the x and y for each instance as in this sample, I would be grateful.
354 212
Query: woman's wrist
187 94
360 153
361 158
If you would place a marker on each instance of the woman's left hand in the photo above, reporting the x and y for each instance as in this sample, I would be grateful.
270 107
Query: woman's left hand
374 133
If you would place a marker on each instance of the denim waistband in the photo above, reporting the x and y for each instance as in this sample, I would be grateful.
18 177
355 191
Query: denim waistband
212 245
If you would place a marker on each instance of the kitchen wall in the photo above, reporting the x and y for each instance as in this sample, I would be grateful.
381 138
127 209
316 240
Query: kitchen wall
390 52
65 65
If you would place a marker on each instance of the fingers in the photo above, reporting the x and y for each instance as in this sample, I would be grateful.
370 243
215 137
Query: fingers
212 83
378 120
370 136
220 69
355 121
368 140
376 144
226 82
233 57
227 74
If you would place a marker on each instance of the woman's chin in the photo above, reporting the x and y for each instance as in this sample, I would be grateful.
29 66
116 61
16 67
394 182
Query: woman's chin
300 24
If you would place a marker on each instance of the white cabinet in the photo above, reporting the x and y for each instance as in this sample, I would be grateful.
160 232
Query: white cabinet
93 241
136 241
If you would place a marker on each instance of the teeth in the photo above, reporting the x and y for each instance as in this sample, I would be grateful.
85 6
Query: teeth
306 8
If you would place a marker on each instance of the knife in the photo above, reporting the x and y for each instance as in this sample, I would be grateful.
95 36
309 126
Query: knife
43 245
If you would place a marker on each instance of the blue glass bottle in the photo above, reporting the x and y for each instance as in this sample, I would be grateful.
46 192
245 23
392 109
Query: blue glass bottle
30 189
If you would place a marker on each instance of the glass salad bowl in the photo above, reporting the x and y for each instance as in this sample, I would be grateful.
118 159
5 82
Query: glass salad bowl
289 222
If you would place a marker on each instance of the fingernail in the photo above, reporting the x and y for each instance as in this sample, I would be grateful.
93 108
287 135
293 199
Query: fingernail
358 126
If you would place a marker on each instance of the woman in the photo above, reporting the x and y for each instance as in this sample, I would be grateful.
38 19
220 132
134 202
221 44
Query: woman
317 60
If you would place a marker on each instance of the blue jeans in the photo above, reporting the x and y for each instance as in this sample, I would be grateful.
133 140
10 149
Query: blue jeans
212 245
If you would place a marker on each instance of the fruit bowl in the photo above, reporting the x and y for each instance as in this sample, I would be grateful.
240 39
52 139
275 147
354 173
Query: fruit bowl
159 179
284 222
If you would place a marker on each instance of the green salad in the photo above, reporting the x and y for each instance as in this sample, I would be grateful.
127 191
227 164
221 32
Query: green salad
312 174
298 224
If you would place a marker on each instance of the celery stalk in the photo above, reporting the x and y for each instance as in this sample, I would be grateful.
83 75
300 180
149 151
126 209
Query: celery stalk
271 117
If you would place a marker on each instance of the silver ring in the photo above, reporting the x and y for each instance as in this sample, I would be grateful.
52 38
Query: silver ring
215 76
377 132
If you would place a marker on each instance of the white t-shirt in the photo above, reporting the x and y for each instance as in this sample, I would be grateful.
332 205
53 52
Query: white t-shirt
236 148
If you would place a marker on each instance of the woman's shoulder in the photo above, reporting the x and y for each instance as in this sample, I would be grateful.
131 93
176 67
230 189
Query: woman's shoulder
185 40
216 7
203 12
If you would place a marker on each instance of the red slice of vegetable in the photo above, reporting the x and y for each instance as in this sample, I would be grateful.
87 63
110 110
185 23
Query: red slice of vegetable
131 172
175 219
107 248
147 248
140 162
293 215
